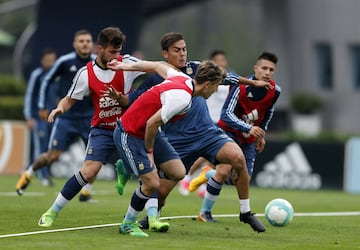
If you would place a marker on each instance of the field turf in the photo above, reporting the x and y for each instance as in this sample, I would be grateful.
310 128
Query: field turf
19 216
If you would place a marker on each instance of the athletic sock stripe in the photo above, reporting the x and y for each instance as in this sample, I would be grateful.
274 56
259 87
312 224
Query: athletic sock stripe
80 179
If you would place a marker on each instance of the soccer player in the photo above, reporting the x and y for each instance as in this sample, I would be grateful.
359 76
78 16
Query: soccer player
245 109
137 134
99 83
196 134
215 103
74 124
40 130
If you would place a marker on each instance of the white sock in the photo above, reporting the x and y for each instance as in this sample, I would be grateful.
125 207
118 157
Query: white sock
59 203
244 205
30 171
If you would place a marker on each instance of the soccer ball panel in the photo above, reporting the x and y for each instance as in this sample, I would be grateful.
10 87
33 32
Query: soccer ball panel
279 212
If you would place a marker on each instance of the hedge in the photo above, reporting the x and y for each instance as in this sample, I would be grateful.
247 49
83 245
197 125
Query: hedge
12 93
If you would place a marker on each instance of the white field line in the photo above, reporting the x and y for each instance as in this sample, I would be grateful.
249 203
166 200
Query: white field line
99 192
350 213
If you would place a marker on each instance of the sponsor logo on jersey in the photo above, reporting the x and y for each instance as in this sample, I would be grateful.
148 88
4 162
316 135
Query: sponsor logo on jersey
105 102
73 68
289 169
111 112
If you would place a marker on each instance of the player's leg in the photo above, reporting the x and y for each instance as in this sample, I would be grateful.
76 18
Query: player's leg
122 176
57 143
81 130
169 166
41 140
233 155
71 188
99 149
45 159
213 188
136 161
185 182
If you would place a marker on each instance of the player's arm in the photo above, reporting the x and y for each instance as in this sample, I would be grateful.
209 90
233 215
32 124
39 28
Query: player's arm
151 129
146 66
235 79
64 105
77 91
127 100
29 95
228 115
49 77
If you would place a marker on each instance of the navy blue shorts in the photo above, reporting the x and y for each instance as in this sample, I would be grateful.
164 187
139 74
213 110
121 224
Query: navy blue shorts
132 151
250 156
248 151
65 132
101 146
208 146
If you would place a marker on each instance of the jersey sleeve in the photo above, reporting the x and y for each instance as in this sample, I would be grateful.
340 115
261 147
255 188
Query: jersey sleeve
174 102
29 95
130 76
270 112
172 72
231 79
54 71
228 114
80 85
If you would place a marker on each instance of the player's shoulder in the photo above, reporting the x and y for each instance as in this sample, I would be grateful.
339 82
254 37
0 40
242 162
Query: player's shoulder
126 58
67 57
193 64
83 72
277 87
36 72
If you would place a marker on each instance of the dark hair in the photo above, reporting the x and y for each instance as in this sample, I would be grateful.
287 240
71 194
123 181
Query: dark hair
169 38
268 56
111 36
209 71
216 52
81 32
47 51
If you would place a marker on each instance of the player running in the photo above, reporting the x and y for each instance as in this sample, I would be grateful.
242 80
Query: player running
137 135
246 108
199 135
96 80
73 125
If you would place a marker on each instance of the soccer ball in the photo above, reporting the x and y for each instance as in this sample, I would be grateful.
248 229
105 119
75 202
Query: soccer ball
279 212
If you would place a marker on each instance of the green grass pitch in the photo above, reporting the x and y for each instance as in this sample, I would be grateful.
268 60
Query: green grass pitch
19 215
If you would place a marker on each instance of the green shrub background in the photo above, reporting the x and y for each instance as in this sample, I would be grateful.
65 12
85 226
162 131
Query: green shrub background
12 93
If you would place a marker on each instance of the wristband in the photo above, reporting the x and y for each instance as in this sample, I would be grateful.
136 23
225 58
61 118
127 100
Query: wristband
150 151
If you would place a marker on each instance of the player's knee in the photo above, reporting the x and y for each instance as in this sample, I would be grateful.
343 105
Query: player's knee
150 186
238 161
222 172
178 175
52 156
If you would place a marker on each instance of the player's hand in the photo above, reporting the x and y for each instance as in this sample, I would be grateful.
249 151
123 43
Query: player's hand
43 114
30 123
262 83
115 65
257 132
260 144
53 114
116 95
